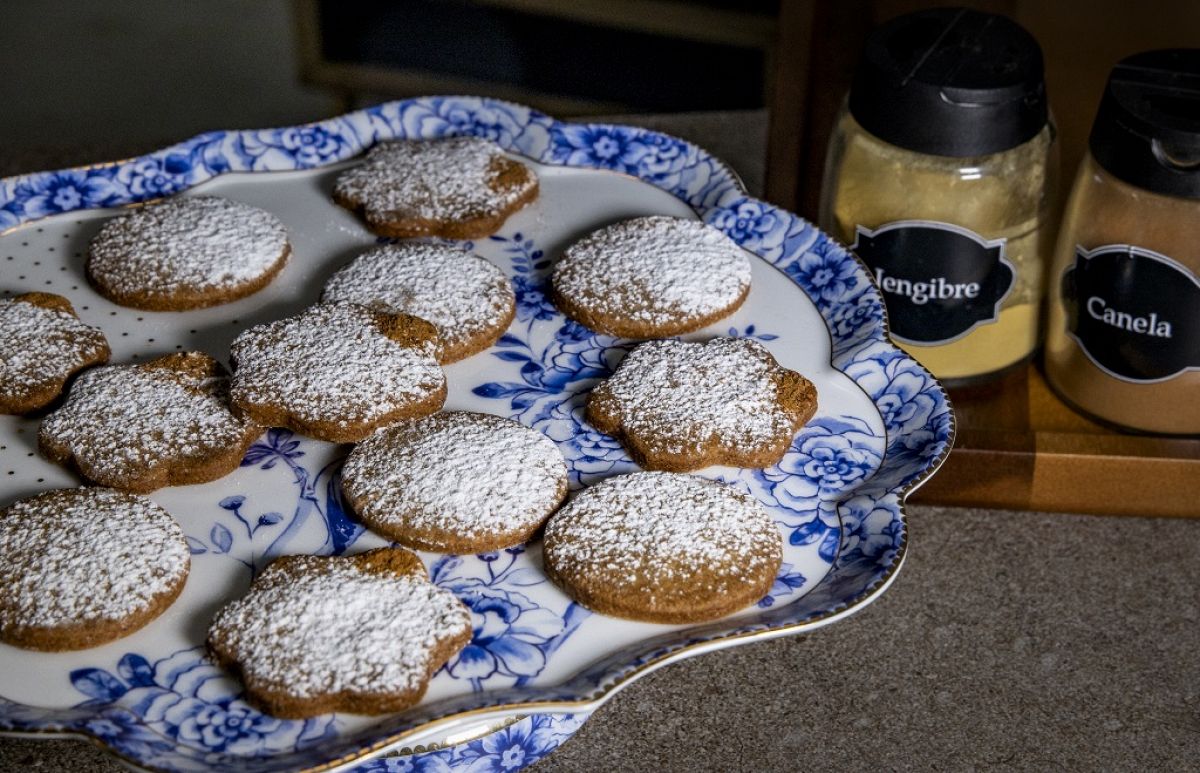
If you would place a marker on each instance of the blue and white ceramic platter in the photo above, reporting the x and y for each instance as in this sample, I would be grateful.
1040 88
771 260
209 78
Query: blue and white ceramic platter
538 664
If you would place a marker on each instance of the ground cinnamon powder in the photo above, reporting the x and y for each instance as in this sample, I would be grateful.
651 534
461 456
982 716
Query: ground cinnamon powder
1106 211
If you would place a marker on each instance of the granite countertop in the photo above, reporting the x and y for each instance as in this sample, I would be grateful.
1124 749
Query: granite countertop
1025 641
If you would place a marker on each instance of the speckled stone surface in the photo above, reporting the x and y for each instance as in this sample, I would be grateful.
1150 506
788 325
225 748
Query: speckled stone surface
1010 641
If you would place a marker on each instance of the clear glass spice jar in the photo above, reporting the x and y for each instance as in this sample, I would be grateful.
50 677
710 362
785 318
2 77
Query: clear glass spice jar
940 174
1123 327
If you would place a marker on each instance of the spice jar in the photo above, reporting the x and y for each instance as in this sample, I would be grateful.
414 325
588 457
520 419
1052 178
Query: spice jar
1123 332
939 174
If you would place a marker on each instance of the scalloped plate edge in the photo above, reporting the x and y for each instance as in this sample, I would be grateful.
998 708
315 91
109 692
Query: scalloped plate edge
722 190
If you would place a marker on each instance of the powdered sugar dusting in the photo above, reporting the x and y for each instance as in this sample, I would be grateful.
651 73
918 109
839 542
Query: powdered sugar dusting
470 474
190 244
451 178
121 421
463 295
332 362
335 628
681 396
41 347
648 531
85 555
654 270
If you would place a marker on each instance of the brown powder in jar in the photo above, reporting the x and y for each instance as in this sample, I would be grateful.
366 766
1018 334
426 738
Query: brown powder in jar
1104 210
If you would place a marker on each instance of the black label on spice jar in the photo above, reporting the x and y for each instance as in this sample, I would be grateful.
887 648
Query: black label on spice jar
1135 313
939 281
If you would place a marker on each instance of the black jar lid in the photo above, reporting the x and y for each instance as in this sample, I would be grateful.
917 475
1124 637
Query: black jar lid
1147 130
950 82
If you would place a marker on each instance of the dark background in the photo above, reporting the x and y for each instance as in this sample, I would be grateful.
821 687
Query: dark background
1011 641
125 76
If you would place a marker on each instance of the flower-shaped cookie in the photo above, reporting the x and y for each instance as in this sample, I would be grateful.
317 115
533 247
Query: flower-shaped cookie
362 634
338 371
42 344
455 187
166 422
681 406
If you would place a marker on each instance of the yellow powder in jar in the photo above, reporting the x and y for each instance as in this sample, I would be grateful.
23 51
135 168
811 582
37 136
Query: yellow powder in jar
1005 342
1000 196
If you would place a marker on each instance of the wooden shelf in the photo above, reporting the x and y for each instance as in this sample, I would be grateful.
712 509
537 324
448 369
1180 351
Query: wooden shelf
1019 447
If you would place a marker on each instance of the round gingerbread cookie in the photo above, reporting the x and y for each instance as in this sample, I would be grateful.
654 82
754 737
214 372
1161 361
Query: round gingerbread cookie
663 547
469 300
167 422
188 252
338 371
651 277
454 187
681 406
81 567
316 634
42 344
456 482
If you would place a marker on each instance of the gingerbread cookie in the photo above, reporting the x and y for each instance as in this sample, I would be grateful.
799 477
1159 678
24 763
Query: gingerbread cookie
188 252
663 547
681 406
456 482
651 277
469 300
81 567
42 344
455 187
338 371
166 422
318 634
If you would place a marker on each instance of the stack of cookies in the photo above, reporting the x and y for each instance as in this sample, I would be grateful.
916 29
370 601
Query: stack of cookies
366 633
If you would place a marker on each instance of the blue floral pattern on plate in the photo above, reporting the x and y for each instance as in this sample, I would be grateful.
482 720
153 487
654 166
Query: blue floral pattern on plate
520 744
839 491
